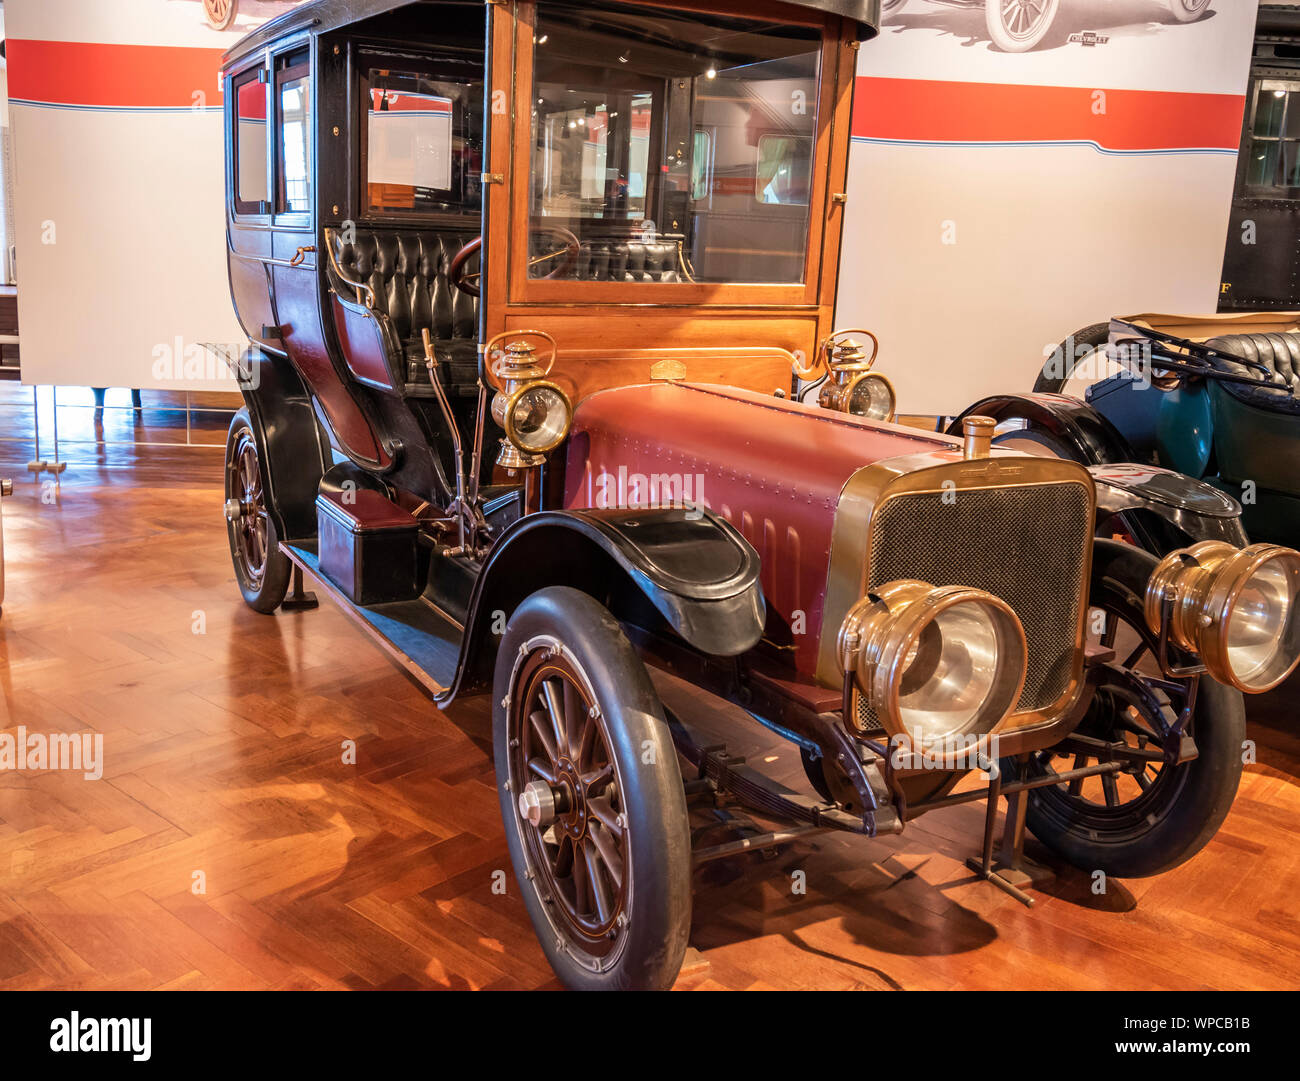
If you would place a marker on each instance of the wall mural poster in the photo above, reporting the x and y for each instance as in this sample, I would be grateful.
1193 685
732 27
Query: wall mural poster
116 115
1023 168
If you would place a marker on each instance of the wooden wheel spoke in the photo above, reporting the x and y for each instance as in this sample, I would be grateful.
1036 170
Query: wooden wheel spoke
544 770
1075 787
563 863
545 734
597 780
610 856
602 810
581 881
552 698
599 888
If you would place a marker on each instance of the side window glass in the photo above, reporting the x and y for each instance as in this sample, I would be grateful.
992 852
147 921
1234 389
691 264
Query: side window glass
293 137
252 192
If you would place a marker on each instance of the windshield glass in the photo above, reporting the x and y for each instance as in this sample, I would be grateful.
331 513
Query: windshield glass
673 148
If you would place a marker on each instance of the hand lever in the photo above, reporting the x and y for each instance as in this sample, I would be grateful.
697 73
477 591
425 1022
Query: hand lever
431 361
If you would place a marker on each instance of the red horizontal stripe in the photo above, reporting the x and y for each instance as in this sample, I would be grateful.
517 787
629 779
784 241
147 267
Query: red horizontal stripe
124 76
956 112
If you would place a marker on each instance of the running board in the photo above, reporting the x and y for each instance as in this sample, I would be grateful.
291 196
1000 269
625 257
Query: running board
415 635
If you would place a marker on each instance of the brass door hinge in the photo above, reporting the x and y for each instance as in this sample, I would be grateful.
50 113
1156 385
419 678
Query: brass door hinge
840 198
492 178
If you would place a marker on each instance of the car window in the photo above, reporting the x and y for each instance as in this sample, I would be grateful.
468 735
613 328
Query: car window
422 147
293 138
675 147
249 140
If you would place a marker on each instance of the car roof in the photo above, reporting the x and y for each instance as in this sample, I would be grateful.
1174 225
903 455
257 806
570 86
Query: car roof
321 16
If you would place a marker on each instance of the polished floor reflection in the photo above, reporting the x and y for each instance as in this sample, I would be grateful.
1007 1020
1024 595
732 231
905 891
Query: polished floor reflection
230 845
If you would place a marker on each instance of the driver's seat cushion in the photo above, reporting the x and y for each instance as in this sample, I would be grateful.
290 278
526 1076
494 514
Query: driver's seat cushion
1279 352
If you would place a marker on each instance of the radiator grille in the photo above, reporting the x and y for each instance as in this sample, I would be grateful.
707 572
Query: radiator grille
1025 544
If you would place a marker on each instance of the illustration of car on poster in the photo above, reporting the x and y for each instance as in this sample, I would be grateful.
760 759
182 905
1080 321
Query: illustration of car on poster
1016 26
528 422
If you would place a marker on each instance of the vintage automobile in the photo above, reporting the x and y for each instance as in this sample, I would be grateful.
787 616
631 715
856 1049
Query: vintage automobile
1213 397
527 286
1016 26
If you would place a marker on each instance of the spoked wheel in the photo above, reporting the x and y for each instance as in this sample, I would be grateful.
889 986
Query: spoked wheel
592 799
1185 11
220 13
1155 814
1016 26
261 569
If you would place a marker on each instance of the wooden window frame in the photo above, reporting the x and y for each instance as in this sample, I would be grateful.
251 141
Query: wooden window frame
522 290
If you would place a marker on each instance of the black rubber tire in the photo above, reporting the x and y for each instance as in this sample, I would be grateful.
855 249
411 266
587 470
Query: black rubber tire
1053 381
659 844
1198 800
262 594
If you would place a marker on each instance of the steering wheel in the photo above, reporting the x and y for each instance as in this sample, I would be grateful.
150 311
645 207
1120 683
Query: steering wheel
470 282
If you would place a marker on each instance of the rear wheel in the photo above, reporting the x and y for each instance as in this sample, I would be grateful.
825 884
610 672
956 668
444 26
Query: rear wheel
1156 814
1077 363
261 569
591 796
1016 26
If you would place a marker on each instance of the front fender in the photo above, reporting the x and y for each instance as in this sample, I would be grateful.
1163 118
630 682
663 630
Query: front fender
1090 437
690 569
1189 509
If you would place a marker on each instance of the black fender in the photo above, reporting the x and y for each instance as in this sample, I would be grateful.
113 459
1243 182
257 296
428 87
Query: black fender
1164 510
688 569
295 451
1091 438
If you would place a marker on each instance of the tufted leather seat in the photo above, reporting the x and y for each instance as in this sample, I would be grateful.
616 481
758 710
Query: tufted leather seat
1280 353
407 272
614 259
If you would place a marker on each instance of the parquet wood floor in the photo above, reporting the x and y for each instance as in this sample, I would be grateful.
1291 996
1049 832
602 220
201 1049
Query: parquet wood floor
223 759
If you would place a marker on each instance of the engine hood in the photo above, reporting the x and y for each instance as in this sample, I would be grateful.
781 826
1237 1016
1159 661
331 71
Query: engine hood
775 469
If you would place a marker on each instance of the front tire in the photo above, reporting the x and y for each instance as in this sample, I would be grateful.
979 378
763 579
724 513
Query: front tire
604 856
1141 822
1016 26
261 569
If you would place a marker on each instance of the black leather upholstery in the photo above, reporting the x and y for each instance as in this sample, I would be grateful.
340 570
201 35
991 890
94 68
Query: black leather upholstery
608 259
1280 353
625 261
407 271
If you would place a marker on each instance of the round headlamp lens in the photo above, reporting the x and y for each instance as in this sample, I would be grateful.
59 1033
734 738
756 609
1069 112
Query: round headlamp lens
963 673
540 419
1263 626
871 397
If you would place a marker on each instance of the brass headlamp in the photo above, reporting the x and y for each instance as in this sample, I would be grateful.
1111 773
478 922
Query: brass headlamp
1238 609
940 665
534 412
851 386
